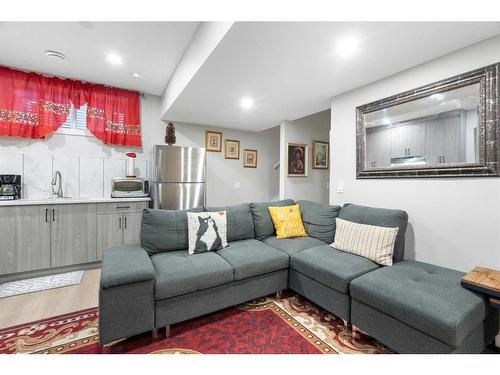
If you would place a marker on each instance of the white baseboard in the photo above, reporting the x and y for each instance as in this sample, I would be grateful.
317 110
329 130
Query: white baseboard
497 341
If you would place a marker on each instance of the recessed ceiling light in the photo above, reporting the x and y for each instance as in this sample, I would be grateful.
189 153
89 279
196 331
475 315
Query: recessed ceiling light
55 56
246 103
136 75
347 46
114 58
386 121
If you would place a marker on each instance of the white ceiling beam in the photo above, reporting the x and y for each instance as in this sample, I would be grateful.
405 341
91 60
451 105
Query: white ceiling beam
204 41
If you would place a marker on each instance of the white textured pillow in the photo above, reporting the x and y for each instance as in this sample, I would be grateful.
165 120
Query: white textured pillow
369 241
207 231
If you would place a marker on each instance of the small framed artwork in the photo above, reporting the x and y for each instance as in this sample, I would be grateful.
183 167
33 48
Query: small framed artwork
297 159
249 158
320 154
231 149
213 141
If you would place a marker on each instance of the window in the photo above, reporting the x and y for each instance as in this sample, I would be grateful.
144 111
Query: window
76 123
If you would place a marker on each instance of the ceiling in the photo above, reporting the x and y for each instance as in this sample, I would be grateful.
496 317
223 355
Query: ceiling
292 70
152 49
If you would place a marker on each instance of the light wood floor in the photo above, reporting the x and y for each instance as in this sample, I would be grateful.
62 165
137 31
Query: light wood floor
40 305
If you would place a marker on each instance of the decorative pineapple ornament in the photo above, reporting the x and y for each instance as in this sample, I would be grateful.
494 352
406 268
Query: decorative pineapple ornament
170 134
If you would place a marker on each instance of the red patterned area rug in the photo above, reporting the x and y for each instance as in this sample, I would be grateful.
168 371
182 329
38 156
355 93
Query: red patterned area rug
287 324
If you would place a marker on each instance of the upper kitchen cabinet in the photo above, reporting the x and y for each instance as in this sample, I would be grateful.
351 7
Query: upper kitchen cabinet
378 148
408 141
445 139
25 238
73 234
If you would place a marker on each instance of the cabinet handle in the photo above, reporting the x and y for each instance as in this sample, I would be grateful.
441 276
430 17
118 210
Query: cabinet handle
53 215
119 223
122 207
444 159
46 215
125 222
409 152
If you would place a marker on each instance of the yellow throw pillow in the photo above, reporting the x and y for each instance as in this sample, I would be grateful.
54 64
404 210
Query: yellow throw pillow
287 221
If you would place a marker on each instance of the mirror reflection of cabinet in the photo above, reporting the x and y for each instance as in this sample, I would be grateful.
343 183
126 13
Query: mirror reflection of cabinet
378 148
443 141
408 141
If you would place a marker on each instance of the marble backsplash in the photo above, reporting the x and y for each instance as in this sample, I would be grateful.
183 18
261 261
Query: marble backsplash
83 177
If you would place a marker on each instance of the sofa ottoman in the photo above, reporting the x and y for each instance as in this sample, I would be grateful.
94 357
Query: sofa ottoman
415 307
323 274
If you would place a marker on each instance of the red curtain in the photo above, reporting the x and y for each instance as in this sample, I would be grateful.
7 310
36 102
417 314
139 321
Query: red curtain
33 106
113 115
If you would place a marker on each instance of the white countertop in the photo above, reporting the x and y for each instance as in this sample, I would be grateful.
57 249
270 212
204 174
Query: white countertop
32 202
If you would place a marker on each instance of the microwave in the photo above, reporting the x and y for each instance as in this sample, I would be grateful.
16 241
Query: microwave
129 187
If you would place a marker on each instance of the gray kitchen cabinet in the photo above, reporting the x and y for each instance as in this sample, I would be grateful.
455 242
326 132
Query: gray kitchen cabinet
25 238
408 140
378 148
443 140
118 224
36 237
73 234
109 233
132 228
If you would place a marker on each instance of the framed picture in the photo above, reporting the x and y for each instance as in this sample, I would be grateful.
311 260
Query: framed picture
213 141
249 158
231 149
320 155
297 159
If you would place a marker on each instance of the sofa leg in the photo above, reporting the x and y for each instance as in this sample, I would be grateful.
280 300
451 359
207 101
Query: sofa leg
154 333
354 331
167 331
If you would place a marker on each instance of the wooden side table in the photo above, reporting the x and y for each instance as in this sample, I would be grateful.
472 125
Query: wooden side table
484 280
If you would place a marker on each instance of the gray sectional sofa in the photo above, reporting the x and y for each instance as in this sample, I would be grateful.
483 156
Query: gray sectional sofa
412 307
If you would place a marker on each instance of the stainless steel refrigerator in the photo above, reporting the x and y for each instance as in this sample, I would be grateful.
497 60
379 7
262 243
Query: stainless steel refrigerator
179 177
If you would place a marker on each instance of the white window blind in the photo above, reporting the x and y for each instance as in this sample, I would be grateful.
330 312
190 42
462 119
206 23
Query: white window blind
76 123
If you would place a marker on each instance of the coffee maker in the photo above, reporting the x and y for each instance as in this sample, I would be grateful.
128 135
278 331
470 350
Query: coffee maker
10 187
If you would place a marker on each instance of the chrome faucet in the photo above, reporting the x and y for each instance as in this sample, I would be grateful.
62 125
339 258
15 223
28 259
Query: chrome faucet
59 193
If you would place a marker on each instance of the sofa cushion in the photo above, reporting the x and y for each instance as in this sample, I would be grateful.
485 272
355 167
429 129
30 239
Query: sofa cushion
165 230
287 221
381 217
292 245
319 219
179 273
207 231
126 264
239 221
253 258
369 241
331 267
426 297
263 224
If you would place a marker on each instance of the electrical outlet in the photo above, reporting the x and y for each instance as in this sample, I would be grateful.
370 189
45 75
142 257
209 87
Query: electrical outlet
340 188
236 184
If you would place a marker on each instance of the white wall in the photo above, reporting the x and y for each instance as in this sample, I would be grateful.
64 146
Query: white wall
87 165
304 130
223 175
454 222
